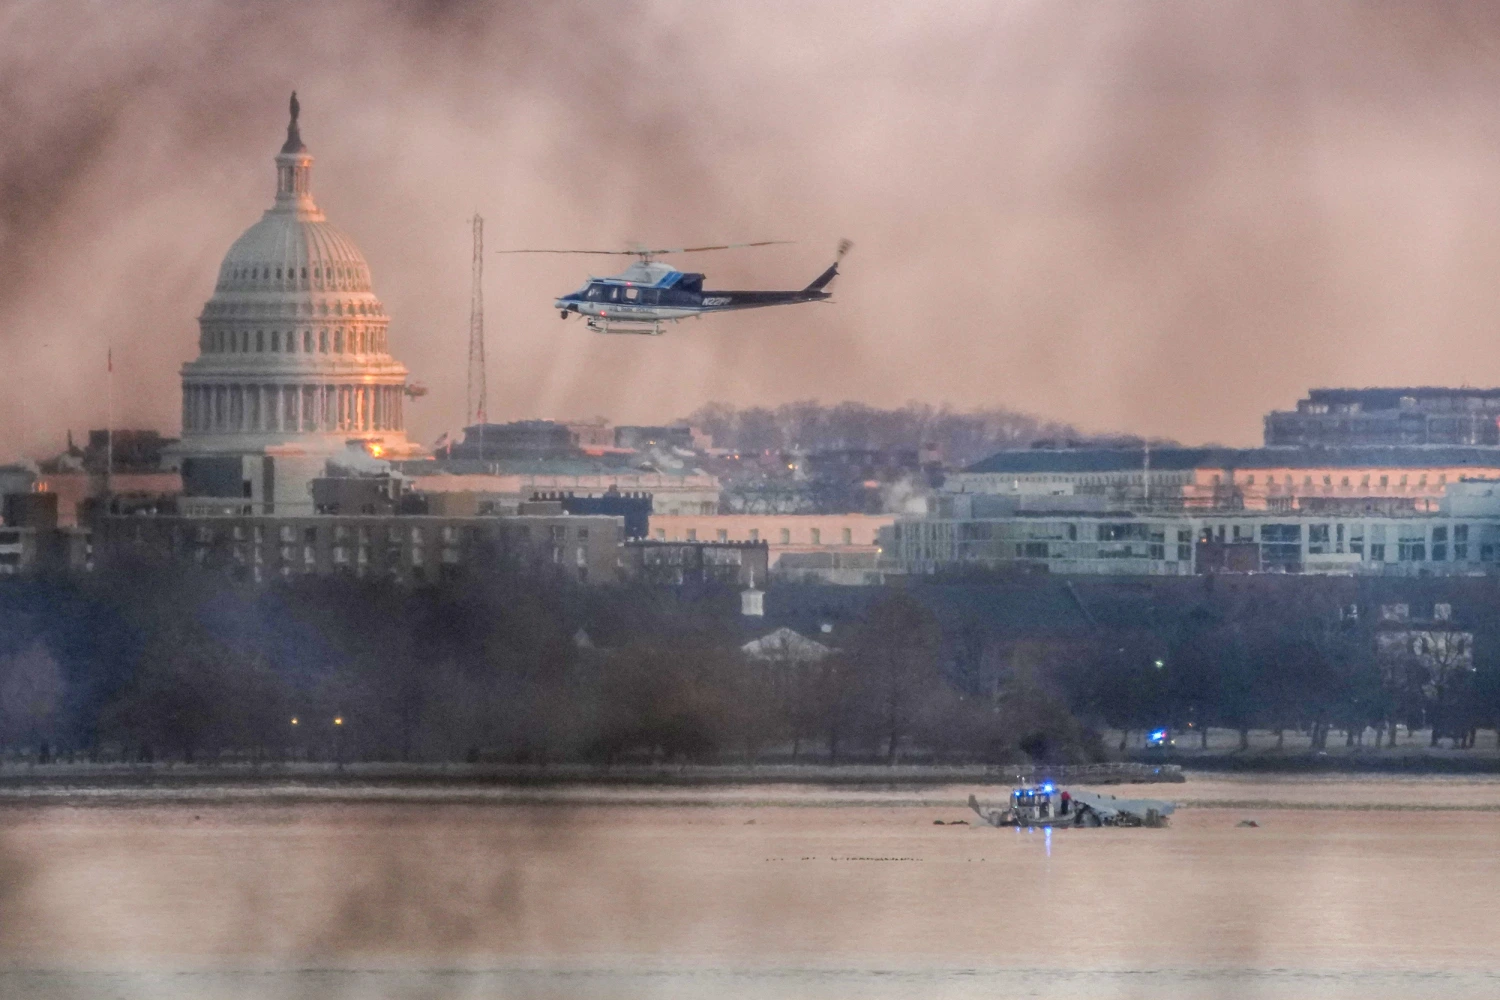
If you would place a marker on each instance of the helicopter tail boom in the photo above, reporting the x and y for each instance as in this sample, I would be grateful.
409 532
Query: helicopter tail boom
821 281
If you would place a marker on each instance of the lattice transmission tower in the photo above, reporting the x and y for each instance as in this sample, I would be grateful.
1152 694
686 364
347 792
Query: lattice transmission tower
477 411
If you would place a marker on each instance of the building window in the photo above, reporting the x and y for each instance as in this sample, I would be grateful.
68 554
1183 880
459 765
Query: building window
1460 541
723 535
661 534
1440 544
848 536
1411 549
1250 480
1385 481
1281 544
786 536
817 536
755 534
692 534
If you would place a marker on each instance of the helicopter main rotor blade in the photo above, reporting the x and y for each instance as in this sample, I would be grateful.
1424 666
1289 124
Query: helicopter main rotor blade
612 253
643 252
725 246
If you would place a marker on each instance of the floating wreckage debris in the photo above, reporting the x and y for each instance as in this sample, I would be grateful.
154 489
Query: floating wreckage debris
1048 804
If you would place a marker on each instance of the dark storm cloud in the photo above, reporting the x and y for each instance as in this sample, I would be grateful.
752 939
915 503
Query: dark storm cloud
1162 218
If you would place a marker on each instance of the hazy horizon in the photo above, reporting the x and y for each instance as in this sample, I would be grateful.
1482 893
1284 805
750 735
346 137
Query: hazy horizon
1163 220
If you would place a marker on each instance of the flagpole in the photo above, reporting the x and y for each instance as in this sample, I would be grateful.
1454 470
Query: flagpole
109 430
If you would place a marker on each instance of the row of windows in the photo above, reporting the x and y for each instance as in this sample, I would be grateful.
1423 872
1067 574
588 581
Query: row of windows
320 274
358 340
1383 480
814 536
448 534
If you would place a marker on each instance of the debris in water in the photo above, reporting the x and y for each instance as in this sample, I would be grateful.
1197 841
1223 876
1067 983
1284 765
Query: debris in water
1247 822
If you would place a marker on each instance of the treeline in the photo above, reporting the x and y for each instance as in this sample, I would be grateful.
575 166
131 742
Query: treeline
155 663
1311 655
965 437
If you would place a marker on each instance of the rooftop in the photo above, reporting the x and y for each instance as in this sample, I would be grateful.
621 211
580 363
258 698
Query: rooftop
1038 460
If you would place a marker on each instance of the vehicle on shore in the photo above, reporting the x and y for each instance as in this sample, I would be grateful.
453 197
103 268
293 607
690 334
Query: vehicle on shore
1049 805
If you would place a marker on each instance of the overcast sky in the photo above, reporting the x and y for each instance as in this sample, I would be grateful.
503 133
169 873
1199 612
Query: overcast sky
1156 217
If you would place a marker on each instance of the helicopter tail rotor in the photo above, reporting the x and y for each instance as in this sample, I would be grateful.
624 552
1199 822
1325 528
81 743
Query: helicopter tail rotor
822 280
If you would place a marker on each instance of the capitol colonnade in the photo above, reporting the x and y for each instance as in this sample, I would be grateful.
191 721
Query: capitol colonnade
292 408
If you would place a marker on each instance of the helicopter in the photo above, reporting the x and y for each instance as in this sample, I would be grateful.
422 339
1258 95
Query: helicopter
649 293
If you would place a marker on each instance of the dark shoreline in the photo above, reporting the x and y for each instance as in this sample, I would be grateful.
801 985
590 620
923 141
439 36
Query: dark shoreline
83 777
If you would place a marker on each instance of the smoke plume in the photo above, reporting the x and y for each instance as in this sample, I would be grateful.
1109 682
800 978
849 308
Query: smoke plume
1162 219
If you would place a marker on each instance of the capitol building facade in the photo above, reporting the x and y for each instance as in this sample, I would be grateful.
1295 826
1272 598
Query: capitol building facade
293 365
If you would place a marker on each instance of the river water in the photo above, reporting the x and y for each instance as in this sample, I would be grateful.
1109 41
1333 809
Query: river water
1347 888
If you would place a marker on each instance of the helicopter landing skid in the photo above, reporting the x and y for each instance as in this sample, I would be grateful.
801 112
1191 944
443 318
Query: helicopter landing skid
604 326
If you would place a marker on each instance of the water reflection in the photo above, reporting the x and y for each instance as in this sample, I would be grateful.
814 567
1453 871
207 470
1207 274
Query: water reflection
819 892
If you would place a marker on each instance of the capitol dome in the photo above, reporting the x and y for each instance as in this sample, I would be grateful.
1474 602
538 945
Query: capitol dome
292 344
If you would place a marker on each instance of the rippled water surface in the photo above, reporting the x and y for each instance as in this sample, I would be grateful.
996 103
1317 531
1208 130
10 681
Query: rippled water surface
1360 888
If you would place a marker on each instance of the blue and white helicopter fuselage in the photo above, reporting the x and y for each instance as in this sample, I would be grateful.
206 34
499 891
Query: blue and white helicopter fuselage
650 293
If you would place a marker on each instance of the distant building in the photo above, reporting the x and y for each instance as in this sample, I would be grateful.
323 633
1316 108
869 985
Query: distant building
133 450
1278 479
503 484
30 539
1460 539
633 508
696 564
828 548
523 439
409 549
17 479
1425 415
592 434
79 491
676 436
785 646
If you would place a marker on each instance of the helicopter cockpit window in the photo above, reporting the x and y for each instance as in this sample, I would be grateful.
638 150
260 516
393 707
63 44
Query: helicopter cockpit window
614 293
596 293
